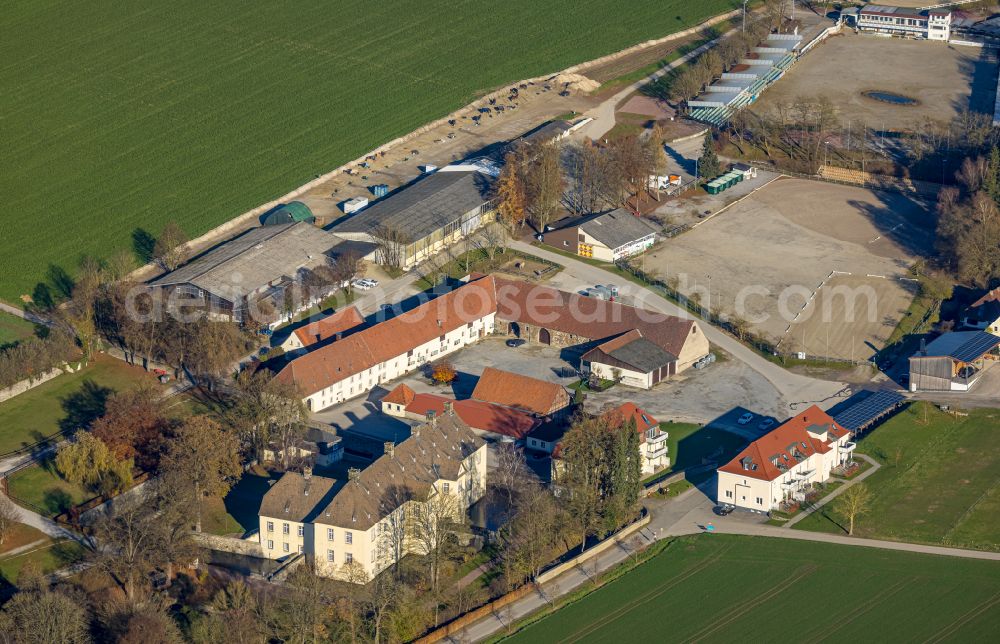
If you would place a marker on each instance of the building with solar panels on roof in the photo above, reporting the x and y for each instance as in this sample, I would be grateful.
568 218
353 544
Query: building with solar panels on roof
954 361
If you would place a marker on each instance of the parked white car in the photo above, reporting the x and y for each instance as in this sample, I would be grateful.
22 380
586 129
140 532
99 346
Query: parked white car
745 419
362 285
766 424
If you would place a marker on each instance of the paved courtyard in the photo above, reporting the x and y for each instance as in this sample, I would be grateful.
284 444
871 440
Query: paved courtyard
718 393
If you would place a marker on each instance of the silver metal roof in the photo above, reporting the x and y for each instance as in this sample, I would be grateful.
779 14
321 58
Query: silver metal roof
424 206
253 260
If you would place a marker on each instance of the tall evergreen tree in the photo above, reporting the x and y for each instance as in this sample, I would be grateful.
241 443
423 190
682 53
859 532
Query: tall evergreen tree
708 163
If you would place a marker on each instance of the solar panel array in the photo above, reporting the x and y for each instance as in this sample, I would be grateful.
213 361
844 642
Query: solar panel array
862 414
973 348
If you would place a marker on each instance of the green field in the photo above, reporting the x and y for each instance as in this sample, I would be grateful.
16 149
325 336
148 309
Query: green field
939 482
123 117
722 588
13 329
41 412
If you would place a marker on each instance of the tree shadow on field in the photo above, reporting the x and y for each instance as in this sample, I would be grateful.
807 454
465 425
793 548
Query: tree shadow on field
981 74
61 281
143 244
906 222
85 406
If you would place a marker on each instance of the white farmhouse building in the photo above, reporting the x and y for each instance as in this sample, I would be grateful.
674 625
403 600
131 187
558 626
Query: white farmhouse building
785 463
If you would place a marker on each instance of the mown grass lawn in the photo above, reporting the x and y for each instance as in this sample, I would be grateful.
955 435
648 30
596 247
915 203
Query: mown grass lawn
40 412
21 535
689 444
939 481
49 557
41 486
13 329
119 119
723 588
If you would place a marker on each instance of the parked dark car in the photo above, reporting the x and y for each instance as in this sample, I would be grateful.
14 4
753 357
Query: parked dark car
516 342
724 510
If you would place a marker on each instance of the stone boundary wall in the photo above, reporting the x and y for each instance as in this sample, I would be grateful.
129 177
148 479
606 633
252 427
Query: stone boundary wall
613 540
28 384
230 544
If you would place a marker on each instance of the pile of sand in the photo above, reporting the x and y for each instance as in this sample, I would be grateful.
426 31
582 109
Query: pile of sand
575 82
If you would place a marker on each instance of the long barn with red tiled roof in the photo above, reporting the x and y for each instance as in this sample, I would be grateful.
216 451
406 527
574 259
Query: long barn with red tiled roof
784 464
365 359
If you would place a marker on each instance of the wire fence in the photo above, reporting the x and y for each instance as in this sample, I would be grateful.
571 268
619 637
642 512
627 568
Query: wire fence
731 324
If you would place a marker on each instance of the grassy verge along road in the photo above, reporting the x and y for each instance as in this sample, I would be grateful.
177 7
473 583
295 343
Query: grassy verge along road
722 588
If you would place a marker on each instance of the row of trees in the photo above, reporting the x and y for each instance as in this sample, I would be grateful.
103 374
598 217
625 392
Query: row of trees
798 129
28 359
197 456
532 189
691 81
530 185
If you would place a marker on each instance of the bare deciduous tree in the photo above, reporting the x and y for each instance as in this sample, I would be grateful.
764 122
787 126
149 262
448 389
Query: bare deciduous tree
169 251
855 501
544 183
390 245
9 515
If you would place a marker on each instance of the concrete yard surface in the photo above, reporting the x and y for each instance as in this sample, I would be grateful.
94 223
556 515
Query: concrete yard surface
802 260
944 79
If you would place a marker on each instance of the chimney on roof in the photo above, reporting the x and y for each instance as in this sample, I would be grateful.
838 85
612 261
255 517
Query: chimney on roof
339 335
307 472
923 346
439 324
390 448
353 474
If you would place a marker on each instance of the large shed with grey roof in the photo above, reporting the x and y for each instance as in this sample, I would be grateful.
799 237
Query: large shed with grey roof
258 264
631 359
608 236
436 210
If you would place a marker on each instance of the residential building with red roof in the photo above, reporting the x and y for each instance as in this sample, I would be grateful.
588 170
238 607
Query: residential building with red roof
784 464
653 449
362 361
332 327
653 440
486 419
